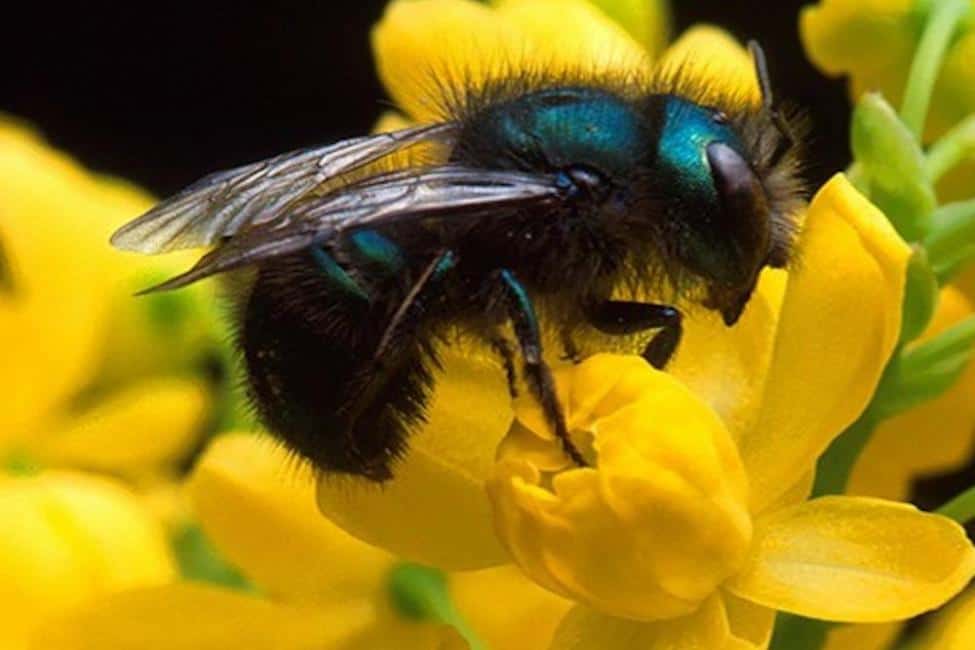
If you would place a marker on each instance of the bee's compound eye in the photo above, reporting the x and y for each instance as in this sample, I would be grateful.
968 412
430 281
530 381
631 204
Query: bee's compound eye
578 179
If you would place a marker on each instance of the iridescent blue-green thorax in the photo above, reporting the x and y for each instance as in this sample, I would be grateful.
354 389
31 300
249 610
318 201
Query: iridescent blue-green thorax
557 128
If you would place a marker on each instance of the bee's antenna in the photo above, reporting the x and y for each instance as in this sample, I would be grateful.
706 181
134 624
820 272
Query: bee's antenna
769 103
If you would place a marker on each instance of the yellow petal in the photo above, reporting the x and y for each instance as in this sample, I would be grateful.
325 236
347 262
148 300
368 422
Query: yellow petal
647 21
863 636
66 310
750 623
257 505
713 56
573 35
70 538
426 49
585 629
893 458
507 610
839 323
188 616
435 511
727 366
951 629
873 38
855 559
145 425
55 312
656 524
873 42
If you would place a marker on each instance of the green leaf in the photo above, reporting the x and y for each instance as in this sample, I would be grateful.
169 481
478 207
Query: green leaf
420 593
891 160
926 370
920 296
199 560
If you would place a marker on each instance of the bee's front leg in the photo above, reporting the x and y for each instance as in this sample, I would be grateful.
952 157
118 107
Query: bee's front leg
621 317
521 312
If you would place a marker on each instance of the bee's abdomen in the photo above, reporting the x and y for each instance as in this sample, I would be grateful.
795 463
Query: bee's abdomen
309 344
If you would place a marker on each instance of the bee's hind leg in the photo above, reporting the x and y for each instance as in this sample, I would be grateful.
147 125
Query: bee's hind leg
503 348
537 373
621 317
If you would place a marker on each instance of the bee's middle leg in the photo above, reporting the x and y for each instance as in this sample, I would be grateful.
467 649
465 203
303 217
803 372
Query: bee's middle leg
621 317
521 312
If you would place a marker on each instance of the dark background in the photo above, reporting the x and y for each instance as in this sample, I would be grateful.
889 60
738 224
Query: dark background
162 94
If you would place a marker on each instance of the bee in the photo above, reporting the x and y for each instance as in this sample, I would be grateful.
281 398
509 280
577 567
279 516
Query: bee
547 196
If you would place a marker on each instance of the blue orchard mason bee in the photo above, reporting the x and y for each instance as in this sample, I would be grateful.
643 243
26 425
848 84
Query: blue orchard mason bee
547 195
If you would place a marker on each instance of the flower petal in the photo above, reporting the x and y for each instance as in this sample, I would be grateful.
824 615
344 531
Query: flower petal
714 56
647 21
574 35
658 521
893 458
257 504
426 47
526 620
952 628
727 366
749 622
188 616
863 636
873 42
839 323
585 629
148 424
69 538
435 510
842 36
855 559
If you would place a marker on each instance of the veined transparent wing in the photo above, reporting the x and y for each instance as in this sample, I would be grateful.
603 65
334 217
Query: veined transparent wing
220 205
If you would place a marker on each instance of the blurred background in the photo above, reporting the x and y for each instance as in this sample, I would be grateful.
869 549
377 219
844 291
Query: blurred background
162 97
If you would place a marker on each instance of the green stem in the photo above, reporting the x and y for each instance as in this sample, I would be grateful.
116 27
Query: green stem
952 237
834 466
951 149
942 21
961 508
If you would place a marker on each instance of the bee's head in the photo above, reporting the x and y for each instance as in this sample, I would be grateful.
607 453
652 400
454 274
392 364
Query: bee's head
718 221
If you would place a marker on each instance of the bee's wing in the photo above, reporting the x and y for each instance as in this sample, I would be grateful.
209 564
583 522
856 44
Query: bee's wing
221 204
445 192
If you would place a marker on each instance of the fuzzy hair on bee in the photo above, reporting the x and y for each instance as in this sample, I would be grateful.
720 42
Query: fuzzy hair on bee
539 200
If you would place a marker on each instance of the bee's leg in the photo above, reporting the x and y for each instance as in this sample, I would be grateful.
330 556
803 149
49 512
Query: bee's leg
501 345
570 351
624 317
336 274
538 374
388 362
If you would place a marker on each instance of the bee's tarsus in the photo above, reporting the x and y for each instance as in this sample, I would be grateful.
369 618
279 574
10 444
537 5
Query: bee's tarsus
539 375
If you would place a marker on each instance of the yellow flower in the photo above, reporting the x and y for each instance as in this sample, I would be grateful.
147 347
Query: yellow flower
872 42
673 524
69 539
319 587
96 379
692 527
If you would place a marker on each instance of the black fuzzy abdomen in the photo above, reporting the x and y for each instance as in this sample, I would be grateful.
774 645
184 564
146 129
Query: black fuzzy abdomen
310 350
